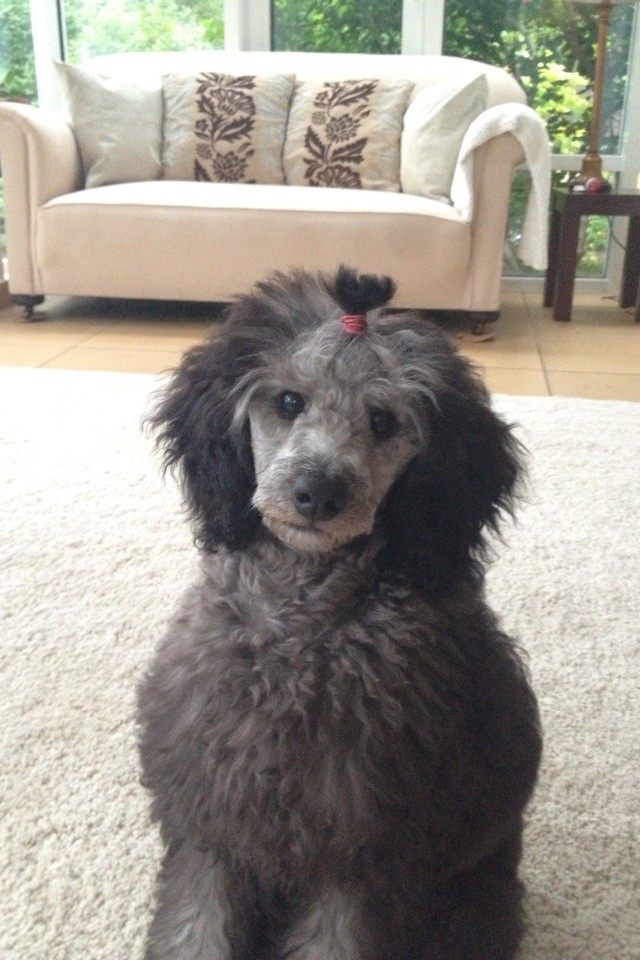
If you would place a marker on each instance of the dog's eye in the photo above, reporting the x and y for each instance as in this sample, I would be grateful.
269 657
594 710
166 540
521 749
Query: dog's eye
289 404
383 424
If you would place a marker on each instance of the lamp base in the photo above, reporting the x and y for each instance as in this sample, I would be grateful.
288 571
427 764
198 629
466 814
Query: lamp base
590 178
591 167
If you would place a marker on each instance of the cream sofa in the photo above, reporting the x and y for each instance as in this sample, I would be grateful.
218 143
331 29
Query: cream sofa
161 238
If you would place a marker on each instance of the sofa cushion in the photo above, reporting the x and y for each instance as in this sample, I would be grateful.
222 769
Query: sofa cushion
346 134
204 236
117 124
223 128
434 126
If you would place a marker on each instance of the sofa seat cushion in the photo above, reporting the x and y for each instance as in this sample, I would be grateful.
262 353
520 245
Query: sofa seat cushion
115 236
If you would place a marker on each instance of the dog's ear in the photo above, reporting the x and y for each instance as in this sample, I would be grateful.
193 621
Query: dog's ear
193 425
439 510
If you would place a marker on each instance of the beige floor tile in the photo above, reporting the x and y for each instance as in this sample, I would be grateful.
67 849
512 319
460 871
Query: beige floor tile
23 354
596 354
589 310
522 382
149 337
600 338
24 336
595 386
592 349
511 349
512 295
124 361
14 328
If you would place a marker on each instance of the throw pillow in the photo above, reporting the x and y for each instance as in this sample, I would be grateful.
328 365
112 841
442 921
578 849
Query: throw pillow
223 128
117 124
434 126
346 134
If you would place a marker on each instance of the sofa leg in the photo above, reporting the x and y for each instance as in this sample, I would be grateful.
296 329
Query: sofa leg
29 302
479 320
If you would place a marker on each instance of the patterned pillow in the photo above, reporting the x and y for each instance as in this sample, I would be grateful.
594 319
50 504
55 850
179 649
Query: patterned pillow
346 134
223 128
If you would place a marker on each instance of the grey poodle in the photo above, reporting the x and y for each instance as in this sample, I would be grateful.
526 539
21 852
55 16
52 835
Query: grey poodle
338 738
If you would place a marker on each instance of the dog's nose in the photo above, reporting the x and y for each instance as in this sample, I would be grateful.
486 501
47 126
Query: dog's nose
319 497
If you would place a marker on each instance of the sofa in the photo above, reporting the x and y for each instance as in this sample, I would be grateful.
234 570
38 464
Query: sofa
177 176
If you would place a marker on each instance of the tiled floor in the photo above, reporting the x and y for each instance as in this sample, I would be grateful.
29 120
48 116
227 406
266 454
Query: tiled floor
596 355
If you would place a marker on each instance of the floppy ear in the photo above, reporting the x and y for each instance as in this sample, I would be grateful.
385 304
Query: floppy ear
193 424
437 513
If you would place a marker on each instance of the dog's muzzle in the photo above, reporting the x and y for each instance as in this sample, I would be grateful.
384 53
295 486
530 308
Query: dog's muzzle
319 496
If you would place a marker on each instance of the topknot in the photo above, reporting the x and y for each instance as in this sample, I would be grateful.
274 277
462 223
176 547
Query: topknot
359 293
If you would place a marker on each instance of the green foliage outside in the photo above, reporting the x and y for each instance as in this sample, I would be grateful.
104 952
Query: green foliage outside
117 26
338 26
106 26
17 69
548 45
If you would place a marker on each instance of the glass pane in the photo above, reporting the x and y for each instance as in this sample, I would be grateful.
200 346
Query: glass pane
360 26
96 27
17 76
549 46
17 67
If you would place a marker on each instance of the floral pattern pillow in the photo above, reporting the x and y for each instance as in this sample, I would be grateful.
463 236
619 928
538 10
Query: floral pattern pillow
225 129
346 133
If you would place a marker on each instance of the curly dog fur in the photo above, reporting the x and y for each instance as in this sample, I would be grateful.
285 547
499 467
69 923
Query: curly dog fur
338 738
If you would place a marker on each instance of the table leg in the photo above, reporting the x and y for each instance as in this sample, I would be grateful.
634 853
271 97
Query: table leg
631 268
567 261
552 265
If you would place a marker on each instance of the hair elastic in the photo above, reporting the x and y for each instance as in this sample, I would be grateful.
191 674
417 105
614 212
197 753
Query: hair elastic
354 322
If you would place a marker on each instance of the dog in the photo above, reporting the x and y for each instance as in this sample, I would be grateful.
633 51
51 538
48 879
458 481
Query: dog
338 738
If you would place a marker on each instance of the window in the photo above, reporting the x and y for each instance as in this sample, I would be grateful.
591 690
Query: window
17 66
17 75
362 26
549 48
95 27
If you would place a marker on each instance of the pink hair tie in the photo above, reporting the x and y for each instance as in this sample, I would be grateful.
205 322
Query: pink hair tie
354 322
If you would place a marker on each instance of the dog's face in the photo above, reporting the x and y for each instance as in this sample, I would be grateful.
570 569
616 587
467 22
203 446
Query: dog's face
329 434
285 420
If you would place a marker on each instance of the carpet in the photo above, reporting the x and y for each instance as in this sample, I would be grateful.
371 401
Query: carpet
93 556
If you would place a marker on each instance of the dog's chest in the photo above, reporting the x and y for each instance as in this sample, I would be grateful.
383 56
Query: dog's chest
282 642
294 696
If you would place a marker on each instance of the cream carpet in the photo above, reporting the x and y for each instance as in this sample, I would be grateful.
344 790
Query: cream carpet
93 554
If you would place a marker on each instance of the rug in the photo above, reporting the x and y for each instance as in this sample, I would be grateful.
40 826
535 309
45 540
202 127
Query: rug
94 553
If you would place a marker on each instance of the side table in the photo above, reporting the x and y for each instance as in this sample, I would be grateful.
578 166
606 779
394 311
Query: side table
567 208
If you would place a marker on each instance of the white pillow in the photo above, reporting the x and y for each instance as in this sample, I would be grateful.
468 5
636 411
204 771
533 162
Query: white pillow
223 128
117 124
434 126
346 133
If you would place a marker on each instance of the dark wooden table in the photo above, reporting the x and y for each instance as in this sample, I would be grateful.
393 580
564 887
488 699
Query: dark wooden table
566 211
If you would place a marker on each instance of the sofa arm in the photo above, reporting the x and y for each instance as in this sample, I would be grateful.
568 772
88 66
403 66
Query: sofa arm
494 165
488 131
39 159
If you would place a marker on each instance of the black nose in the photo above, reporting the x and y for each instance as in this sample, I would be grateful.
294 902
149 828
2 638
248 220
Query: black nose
319 497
